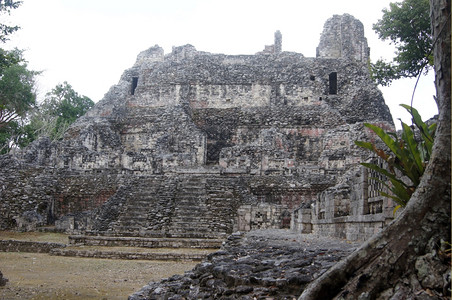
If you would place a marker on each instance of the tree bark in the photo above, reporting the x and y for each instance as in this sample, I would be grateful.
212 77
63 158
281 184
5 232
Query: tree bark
404 261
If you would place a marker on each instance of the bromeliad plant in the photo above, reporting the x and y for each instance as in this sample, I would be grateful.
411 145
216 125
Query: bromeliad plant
406 157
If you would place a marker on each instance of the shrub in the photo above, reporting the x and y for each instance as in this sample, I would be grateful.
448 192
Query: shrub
406 157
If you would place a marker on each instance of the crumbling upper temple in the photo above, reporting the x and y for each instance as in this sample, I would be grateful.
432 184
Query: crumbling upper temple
195 144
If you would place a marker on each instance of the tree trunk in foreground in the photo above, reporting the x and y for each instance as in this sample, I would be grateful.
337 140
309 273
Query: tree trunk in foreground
405 260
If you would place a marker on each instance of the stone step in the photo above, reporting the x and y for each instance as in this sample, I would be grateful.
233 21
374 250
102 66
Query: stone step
133 225
218 197
143 192
145 242
140 208
184 227
143 210
129 255
130 229
190 226
126 218
191 219
134 214
199 210
198 201
191 189
151 233
133 222
144 197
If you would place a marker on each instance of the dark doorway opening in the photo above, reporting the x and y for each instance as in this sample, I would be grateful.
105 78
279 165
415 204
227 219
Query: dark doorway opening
134 85
333 83
285 220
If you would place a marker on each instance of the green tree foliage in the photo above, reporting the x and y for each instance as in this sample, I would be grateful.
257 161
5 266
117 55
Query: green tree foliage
5 7
16 81
17 94
406 157
407 25
17 134
61 107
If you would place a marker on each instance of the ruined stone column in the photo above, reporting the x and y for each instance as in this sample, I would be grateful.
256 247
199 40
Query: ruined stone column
343 37
278 42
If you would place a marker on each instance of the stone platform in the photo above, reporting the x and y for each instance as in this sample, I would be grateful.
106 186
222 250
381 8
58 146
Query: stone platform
131 253
144 242
136 248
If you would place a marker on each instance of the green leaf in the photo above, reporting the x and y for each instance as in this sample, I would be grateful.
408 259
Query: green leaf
432 129
408 137
407 25
392 145
365 145
410 157
379 170
396 209
400 190
396 199
417 120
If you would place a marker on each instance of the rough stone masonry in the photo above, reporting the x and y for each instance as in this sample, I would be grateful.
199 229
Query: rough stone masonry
194 144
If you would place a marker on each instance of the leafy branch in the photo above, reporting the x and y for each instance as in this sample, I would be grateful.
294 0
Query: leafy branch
406 157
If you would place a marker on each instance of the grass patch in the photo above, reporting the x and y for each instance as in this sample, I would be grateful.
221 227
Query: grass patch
35 236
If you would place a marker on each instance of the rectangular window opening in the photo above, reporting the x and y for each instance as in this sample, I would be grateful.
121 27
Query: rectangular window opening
134 85
333 83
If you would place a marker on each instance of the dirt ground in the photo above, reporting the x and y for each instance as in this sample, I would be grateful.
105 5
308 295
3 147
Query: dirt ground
41 276
35 236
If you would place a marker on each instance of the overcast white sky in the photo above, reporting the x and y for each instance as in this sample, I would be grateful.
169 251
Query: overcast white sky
89 43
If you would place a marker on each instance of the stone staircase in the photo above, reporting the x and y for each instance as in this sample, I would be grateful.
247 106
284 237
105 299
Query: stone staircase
146 209
187 206
193 216
223 203
158 213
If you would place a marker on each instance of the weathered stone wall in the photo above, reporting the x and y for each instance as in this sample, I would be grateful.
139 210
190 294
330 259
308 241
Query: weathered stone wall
194 144
28 246
343 36
34 196
352 209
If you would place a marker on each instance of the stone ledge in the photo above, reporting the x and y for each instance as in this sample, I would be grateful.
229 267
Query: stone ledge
127 255
370 218
145 242
158 234
28 246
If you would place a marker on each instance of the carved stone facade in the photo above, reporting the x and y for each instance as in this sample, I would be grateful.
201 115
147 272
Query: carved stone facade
198 144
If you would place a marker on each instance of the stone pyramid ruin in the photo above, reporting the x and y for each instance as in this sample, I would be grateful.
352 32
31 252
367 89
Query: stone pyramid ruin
192 144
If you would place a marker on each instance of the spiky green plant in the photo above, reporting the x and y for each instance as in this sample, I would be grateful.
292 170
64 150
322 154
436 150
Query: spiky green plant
406 157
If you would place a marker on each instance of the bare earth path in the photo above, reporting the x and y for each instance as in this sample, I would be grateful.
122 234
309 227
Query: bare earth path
271 255
42 276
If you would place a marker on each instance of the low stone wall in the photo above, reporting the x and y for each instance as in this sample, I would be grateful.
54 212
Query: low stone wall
359 228
28 246
126 255
144 242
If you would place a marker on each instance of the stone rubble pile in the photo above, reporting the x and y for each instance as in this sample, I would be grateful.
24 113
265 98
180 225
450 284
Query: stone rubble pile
276 264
